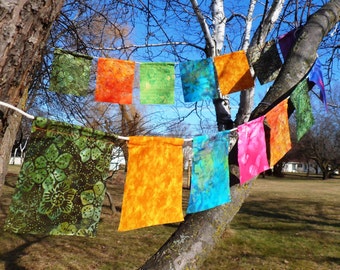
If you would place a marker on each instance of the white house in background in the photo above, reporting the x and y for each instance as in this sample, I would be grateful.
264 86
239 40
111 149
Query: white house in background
299 167
118 159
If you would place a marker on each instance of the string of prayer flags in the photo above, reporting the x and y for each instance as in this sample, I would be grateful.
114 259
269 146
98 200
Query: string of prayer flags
252 155
233 72
315 76
70 73
61 185
280 143
157 83
115 80
210 177
286 41
303 113
198 80
153 185
266 62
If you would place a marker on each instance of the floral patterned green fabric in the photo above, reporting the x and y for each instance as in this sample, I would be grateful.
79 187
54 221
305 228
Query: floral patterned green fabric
61 185
70 73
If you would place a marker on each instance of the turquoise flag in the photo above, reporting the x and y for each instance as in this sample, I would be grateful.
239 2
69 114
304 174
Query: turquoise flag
210 172
198 80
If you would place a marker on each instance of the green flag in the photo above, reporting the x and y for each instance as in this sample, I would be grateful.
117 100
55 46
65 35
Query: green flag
303 113
70 73
61 185
157 83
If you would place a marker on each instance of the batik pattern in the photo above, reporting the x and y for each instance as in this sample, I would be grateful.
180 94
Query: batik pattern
157 83
303 108
61 185
198 80
210 172
70 73
266 62
233 72
280 142
153 186
115 80
252 155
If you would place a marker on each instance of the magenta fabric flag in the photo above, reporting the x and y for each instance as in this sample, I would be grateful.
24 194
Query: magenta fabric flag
286 41
315 76
252 154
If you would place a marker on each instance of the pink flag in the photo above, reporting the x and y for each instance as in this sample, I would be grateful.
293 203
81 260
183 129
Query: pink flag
252 155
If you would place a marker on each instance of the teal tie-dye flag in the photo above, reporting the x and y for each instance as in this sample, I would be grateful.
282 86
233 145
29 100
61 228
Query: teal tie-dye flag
198 80
61 185
303 108
210 172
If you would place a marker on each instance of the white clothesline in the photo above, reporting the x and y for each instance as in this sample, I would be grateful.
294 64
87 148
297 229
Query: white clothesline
32 117
17 109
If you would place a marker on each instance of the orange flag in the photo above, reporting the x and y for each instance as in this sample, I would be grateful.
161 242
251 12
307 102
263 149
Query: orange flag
114 80
280 142
233 72
153 187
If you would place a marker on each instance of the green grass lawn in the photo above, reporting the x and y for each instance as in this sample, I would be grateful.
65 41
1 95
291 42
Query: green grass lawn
289 223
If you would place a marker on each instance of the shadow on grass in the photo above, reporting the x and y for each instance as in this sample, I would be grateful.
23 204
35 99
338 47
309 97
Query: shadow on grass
11 257
294 213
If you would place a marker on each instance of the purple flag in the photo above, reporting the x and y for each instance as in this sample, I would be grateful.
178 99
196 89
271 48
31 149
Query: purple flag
286 41
315 76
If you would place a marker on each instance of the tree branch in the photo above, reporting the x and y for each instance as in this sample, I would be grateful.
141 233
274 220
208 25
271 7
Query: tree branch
301 57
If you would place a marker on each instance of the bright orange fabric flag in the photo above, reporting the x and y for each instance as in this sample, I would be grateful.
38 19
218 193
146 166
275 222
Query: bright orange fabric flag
233 72
153 186
114 80
280 142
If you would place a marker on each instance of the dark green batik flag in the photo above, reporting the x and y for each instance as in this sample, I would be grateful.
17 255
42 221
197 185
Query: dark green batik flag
266 62
61 185
303 108
70 73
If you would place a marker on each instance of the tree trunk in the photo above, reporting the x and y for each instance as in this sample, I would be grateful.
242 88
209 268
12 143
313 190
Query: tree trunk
24 28
198 235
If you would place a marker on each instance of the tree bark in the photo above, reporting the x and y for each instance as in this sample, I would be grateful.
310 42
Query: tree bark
24 28
301 57
198 235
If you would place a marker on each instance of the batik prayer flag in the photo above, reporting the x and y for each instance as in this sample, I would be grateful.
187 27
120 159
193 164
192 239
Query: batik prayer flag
61 185
280 143
233 72
114 80
198 80
157 83
266 62
210 172
252 155
286 41
315 76
303 113
153 185
70 73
